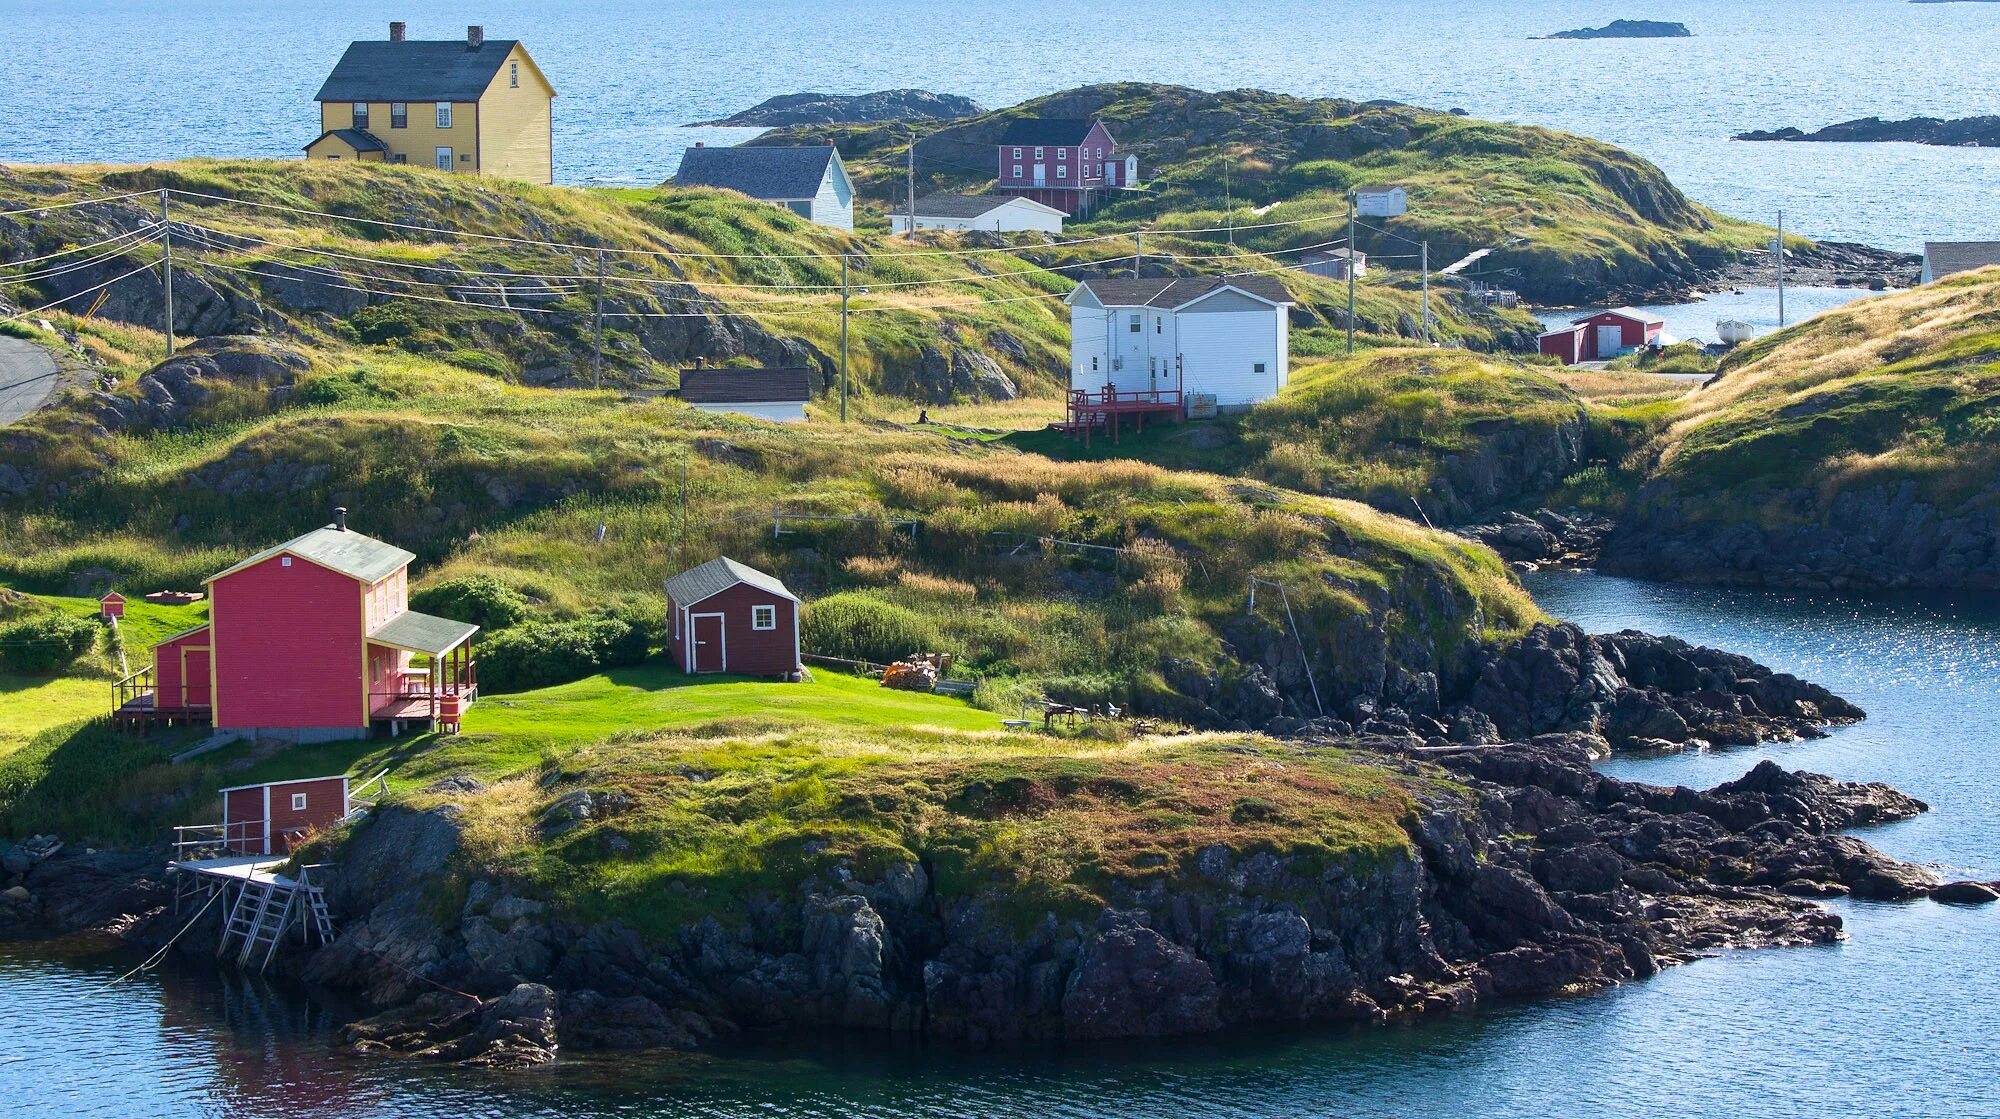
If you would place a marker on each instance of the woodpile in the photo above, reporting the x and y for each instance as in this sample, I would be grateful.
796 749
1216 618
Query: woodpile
910 675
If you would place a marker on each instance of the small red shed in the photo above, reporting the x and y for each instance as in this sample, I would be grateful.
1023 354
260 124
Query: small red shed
726 617
1564 343
270 819
111 606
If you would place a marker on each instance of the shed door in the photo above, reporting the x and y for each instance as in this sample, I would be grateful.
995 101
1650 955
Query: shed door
1610 339
194 676
709 654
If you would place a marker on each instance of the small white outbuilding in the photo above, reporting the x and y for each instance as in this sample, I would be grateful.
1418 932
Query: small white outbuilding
994 213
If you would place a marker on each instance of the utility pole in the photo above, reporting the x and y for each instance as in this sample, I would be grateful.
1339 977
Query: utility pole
1350 271
1778 247
167 271
910 171
1228 204
844 258
1138 252
597 330
1427 292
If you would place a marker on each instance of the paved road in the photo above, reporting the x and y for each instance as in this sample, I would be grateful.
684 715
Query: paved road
27 377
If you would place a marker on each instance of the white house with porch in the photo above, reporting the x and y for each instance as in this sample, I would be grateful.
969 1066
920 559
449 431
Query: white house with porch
1223 336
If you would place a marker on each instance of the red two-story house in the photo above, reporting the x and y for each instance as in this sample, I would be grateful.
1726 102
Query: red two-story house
311 640
1067 164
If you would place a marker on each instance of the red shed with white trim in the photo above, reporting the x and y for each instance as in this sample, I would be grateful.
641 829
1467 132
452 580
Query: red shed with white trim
112 605
270 819
1603 336
727 617
1564 343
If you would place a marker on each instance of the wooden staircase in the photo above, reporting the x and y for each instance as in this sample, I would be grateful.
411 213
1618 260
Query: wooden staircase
266 909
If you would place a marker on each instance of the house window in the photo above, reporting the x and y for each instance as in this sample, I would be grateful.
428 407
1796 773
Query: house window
284 561
444 114
1038 153
399 114
1062 155
763 617
1137 325
1159 324
1257 368
298 802
1093 364
1062 170
1017 155
514 74
399 157
361 115
1017 169
444 159
802 209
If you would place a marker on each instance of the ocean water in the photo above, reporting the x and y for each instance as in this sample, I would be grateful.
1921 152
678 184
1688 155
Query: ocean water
1899 1020
1695 321
124 80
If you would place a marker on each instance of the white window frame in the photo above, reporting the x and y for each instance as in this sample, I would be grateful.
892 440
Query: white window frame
1137 325
284 561
768 615
444 114
1017 170
399 114
361 116
443 159
298 802
1062 170
1017 155
514 75
1062 155
1038 153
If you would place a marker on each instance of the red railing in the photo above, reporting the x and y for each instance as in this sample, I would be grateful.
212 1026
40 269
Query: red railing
444 695
1111 399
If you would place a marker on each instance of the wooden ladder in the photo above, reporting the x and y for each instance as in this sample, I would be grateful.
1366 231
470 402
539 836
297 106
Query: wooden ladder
262 913
322 921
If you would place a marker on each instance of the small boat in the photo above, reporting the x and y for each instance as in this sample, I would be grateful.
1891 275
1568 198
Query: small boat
1734 332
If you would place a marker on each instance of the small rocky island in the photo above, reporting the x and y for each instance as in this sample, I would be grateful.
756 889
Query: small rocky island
1628 29
859 108
1965 132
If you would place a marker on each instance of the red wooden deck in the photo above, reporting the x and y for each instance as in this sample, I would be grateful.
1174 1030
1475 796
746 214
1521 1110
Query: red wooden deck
1107 408
137 703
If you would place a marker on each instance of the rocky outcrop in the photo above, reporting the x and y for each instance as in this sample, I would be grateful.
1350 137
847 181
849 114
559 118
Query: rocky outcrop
859 108
1964 132
1546 539
166 395
1864 538
1526 873
1643 692
1627 29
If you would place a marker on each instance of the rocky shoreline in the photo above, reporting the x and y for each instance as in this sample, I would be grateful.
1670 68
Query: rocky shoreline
858 108
1964 132
1525 873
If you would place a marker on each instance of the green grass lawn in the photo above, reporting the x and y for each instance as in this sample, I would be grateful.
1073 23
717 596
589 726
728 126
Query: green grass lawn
30 705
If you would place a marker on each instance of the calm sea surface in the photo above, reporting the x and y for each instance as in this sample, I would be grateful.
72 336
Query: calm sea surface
1900 1020
125 80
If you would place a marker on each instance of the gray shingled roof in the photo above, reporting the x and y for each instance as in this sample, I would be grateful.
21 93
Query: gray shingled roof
360 140
961 205
772 174
1051 131
415 70
1948 258
745 386
423 633
1179 292
698 584
350 553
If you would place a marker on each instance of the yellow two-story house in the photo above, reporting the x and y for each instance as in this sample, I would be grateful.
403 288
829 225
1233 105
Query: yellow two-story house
474 106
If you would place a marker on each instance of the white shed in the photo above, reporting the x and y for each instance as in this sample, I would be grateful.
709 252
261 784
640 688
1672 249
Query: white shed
811 181
1226 336
997 213
1380 201
778 395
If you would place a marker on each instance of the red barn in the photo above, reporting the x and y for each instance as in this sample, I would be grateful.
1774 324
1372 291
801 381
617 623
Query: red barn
1602 336
270 819
311 640
726 617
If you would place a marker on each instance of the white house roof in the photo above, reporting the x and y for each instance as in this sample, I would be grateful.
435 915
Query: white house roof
698 584
1632 313
1948 258
337 549
1553 331
975 205
1174 292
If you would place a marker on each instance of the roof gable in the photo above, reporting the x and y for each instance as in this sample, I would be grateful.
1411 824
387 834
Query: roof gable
1181 291
1047 131
772 174
698 584
348 553
415 70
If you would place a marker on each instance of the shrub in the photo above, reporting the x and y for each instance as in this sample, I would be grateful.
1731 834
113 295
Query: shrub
44 643
862 627
537 654
480 599
356 387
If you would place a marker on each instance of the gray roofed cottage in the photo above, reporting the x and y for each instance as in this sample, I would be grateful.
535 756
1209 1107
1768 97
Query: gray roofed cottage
336 549
413 70
809 181
697 584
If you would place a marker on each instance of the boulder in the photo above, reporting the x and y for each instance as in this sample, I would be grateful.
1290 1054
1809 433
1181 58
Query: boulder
1966 893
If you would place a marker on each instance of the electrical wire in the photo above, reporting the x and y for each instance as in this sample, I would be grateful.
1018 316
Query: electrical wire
74 265
130 234
73 205
86 291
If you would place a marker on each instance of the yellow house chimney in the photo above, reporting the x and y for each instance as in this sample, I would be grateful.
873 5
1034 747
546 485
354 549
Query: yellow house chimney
475 36
397 31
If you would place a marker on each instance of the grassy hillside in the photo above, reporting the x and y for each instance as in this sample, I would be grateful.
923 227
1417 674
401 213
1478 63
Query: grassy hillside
1572 220
1859 447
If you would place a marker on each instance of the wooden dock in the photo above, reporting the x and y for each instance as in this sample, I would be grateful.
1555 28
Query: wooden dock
1108 408
260 904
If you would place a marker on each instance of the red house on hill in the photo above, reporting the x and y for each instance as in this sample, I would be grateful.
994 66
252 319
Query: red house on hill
1602 336
726 617
1067 164
311 640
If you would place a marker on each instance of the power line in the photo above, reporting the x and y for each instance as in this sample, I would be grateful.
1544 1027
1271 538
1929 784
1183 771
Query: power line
72 205
127 235
75 294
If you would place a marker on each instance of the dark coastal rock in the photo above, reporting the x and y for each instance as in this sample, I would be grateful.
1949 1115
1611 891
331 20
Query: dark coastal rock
1546 539
1627 29
1967 132
169 391
513 1031
1634 689
860 108
1966 893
